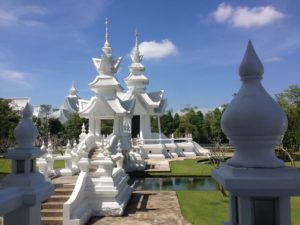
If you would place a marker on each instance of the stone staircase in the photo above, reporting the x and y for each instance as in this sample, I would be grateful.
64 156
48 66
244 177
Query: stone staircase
93 153
52 209
92 156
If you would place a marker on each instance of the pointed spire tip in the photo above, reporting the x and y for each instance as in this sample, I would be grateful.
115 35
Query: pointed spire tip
251 66
27 112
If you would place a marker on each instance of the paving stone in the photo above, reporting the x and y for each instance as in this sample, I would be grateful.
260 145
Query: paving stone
147 208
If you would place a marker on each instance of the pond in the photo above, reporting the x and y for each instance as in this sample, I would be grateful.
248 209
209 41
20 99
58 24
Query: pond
174 183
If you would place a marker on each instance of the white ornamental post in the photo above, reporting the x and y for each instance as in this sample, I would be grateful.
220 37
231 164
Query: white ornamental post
84 161
260 185
172 138
42 162
83 133
49 156
75 157
24 179
68 170
119 153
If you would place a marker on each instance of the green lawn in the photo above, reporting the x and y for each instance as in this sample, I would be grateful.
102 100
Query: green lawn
192 168
203 207
5 166
188 168
211 208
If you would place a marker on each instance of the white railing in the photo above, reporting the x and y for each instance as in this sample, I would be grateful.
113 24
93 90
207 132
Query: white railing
89 141
76 210
164 141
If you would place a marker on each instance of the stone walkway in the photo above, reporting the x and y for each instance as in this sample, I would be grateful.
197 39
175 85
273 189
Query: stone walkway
147 208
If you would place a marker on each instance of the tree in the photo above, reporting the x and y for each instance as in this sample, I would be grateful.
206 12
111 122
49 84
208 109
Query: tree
107 126
45 110
289 97
176 121
213 127
167 123
72 128
55 127
8 121
289 100
191 122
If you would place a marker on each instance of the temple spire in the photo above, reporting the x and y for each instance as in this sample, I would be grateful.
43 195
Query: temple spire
72 91
106 33
135 55
107 65
136 34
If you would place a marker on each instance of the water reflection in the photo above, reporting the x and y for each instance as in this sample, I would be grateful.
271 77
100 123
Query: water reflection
174 183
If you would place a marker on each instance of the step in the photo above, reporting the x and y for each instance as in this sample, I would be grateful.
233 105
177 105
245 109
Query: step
58 198
69 186
52 205
63 191
52 212
64 185
51 221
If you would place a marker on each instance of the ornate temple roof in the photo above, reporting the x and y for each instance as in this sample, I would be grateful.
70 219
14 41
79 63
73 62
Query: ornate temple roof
70 105
110 97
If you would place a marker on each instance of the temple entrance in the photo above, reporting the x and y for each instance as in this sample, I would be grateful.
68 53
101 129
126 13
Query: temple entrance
135 126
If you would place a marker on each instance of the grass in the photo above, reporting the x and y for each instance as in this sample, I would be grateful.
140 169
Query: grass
192 168
187 168
5 166
203 207
211 208
295 208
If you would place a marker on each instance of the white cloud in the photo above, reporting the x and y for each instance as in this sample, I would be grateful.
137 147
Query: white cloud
13 76
157 50
245 17
274 59
223 13
25 16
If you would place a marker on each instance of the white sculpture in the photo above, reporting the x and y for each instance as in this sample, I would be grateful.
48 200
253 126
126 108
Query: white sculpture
253 122
24 189
256 179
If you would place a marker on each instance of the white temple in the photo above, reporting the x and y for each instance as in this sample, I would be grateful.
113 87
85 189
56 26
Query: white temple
130 110
69 106
145 104
106 104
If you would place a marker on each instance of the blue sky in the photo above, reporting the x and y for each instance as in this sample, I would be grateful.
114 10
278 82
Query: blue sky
192 49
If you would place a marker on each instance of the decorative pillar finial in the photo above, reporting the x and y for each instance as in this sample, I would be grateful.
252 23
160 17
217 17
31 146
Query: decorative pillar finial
253 121
251 66
26 132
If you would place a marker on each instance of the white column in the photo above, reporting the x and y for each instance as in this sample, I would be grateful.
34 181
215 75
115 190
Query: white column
116 125
145 127
159 128
92 125
98 127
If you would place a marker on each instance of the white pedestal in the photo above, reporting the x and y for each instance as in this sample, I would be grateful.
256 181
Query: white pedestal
247 185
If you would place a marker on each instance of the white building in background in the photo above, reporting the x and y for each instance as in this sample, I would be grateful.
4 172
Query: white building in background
69 106
19 103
